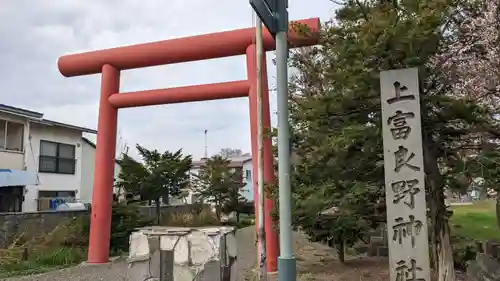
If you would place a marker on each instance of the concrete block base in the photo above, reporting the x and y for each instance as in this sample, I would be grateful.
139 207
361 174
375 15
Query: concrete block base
186 254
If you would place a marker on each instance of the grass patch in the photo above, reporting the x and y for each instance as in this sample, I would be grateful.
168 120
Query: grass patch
44 261
476 221
28 254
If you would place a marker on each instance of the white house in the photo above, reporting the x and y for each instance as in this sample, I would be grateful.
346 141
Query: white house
42 163
243 162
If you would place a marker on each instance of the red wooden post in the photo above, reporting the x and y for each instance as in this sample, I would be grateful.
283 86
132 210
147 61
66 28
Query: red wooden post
102 196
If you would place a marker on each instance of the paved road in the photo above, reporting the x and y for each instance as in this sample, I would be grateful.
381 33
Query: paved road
117 271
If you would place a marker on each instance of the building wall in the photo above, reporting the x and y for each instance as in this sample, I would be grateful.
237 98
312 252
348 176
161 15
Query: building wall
49 181
191 199
11 160
88 164
247 191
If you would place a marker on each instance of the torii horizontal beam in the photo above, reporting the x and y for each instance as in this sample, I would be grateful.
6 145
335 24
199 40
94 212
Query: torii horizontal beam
201 47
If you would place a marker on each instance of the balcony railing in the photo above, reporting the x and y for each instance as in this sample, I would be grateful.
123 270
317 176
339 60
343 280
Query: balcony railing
51 203
11 136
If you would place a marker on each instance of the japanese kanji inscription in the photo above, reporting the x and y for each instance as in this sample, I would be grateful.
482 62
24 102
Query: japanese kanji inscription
408 271
404 176
408 229
400 128
405 191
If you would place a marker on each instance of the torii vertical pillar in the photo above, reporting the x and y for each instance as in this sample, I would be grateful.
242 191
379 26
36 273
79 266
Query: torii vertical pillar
209 46
102 199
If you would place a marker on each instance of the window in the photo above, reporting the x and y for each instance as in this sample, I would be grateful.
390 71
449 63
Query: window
56 158
56 194
11 135
248 175
11 198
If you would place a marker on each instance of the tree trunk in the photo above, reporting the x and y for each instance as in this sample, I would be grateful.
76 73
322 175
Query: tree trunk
341 251
446 270
441 250
498 210
217 208
158 210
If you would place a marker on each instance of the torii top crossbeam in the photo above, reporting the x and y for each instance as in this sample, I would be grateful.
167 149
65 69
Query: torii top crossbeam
207 46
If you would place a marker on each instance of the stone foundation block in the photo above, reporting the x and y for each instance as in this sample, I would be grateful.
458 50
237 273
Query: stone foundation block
186 254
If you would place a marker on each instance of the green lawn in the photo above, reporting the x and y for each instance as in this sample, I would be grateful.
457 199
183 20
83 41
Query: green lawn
477 221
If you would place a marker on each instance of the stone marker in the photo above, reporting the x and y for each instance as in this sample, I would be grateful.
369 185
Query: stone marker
404 176
204 253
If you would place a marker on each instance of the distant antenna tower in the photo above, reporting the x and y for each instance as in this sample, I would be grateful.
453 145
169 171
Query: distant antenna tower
122 146
119 143
206 144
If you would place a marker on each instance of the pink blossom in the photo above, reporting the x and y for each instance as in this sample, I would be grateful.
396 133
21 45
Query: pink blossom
471 62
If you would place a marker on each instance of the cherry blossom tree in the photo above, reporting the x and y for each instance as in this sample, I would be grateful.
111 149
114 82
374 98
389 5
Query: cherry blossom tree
470 59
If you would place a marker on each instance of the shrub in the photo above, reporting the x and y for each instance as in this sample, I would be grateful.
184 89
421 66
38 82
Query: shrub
124 220
246 208
247 222
191 219
77 232
241 223
67 244
197 208
60 257
464 250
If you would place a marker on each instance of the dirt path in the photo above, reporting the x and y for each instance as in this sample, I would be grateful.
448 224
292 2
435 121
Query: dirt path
318 262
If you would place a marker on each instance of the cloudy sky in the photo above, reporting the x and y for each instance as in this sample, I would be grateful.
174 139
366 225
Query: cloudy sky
35 33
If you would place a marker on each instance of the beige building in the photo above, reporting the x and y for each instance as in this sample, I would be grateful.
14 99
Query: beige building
43 163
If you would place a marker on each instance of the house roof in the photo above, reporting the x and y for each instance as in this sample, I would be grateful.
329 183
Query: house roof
64 125
89 142
37 117
235 162
20 111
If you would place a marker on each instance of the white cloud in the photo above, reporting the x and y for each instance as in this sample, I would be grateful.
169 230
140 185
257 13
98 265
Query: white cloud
38 33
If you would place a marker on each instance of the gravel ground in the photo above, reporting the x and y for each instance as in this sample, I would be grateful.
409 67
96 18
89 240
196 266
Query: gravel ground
318 262
315 262
247 253
117 270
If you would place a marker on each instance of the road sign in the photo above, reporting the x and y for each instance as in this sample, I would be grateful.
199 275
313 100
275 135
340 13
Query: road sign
266 10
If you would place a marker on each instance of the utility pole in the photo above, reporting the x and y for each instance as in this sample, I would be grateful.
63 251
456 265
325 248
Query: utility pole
260 156
287 269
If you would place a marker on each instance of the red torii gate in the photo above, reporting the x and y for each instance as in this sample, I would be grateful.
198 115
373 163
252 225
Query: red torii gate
110 62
